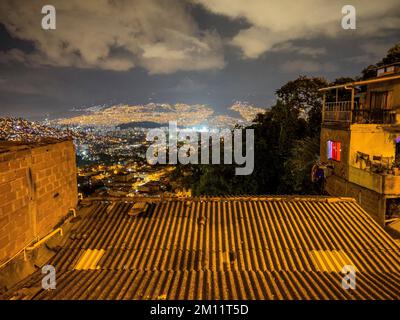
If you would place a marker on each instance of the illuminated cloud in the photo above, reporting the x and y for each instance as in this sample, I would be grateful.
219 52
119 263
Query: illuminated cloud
277 22
157 35
163 37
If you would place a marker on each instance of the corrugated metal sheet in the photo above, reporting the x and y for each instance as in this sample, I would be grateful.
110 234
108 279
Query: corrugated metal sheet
331 260
89 260
227 248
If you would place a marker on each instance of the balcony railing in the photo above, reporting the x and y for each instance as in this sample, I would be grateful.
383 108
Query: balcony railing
337 111
380 116
340 112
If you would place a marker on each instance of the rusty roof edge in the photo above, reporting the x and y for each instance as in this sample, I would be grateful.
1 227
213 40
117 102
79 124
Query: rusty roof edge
295 198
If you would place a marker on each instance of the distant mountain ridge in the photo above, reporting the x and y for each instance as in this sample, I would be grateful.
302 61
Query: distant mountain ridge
142 124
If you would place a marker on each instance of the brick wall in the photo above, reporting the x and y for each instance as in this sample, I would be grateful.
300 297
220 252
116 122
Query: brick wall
37 187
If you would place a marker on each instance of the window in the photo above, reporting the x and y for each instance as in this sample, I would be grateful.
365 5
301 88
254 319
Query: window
333 150
380 72
390 69
385 70
380 100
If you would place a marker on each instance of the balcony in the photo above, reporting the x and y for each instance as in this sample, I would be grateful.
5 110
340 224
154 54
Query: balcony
341 112
382 183
337 112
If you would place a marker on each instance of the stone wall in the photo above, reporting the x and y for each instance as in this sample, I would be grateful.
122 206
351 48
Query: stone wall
37 188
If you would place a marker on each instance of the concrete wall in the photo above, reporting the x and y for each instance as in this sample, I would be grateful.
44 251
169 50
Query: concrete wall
37 187
366 179
372 202
334 134
371 139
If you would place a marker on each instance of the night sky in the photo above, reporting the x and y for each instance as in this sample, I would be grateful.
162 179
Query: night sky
202 51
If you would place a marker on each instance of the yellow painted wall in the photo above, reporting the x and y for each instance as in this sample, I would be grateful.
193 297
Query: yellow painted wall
371 139
366 179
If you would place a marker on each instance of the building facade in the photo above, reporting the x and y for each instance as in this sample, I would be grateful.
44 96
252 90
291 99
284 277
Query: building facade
360 142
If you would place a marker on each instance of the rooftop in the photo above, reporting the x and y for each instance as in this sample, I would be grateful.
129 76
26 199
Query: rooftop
221 248
358 104
354 84
7 146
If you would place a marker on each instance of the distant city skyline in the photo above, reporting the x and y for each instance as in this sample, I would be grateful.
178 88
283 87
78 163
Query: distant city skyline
161 114
195 52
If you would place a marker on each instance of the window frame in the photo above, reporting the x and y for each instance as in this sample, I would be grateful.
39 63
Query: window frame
334 150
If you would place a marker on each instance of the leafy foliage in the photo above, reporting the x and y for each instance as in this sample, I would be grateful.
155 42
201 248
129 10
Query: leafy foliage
296 178
392 56
286 142
302 95
286 139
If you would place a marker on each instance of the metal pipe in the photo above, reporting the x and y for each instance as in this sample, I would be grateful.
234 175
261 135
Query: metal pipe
391 220
73 211
352 105
332 87
35 245
359 83
44 239
15 255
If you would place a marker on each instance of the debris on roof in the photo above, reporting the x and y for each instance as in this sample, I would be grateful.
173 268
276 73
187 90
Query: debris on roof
138 207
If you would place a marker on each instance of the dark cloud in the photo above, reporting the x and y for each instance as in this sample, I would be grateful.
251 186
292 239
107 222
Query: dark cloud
208 52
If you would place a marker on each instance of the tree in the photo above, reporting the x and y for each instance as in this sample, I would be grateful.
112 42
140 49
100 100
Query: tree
302 94
343 95
286 145
274 133
296 178
286 141
392 56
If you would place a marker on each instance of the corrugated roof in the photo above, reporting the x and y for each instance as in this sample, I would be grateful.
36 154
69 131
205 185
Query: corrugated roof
225 248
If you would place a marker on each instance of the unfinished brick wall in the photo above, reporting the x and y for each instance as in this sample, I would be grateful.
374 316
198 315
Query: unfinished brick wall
37 188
